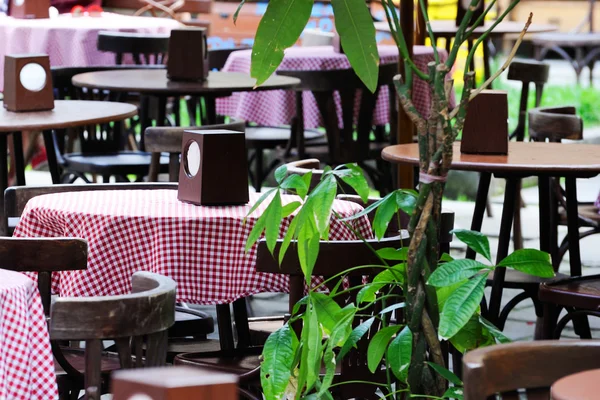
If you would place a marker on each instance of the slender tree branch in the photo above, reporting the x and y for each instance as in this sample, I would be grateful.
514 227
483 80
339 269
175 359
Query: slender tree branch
458 38
435 349
479 21
436 56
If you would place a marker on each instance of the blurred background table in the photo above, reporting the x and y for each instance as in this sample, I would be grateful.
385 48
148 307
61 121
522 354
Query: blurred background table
71 41
275 108
26 362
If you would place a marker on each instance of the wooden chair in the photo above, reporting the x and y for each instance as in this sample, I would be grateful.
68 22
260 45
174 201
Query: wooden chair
530 367
144 315
168 140
102 146
334 257
585 44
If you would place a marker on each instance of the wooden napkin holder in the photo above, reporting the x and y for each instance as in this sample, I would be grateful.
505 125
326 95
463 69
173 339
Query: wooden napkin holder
463 6
486 125
28 83
188 55
214 168
29 9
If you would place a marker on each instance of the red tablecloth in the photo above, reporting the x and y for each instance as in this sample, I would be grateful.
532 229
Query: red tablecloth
71 41
26 363
201 248
277 107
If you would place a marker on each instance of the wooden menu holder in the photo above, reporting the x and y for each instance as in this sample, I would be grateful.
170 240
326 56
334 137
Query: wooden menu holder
463 6
486 124
29 9
214 168
188 55
28 83
173 383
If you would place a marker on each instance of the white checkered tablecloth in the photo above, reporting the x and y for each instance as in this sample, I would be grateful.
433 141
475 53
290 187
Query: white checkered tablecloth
71 41
26 363
277 107
201 248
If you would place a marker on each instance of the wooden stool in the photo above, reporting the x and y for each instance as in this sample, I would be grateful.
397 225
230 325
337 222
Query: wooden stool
581 386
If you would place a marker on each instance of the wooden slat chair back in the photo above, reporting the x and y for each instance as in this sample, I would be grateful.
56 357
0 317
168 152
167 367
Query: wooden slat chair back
533 366
16 198
147 312
335 257
343 146
527 72
168 140
145 48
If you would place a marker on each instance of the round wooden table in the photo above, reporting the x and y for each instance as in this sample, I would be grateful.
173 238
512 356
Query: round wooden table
544 160
66 114
154 82
580 386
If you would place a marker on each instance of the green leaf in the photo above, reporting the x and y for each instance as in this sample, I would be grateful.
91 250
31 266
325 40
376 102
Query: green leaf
368 209
385 212
399 353
295 183
392 308
279 28
280 173
321 202
475 240
461 305
289 208
311 348
327 310
530 261
472 336
443 293
307 178
278 356
446 257
308 250
355 178
393 274
355 336
302 302
454 392
259 202
406 200
448 375
389 253
455 271
495 332
256 231
273 222
354 23
237 11
378 345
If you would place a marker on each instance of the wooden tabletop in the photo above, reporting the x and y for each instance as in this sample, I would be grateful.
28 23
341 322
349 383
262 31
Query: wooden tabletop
524 158
156 82
580 386
66 113
448 28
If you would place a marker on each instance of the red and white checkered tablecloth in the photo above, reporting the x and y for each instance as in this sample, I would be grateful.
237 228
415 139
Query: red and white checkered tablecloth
26 362
277 107
71 41
201 248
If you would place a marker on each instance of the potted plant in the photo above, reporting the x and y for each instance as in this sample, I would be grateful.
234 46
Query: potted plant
441 297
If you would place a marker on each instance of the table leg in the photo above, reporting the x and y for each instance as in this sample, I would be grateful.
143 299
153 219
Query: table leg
480 204
508 211
225 329
3 180
546 198
240 315
211 109
18 157
573 226
51 154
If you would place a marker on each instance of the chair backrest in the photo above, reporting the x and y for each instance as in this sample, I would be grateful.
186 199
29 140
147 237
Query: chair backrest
144 48
335 257
555 124
527 72
147 312
218 57
168 140
344 146
44 256
525 365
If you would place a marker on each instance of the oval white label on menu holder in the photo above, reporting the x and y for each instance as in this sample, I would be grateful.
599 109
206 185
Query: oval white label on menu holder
192 159
33 77
19 3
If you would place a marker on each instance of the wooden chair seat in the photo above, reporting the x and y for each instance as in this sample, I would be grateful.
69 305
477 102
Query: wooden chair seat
240 363
76 357
588 213
581 292
520 280
129 162
567 39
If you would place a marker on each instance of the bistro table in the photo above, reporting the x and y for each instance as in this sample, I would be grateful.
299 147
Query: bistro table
26 362
544 160
71 41
580 386
274 108
200 247
154 82
66 114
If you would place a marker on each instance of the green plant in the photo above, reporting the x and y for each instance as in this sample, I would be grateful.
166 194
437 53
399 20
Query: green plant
414 356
